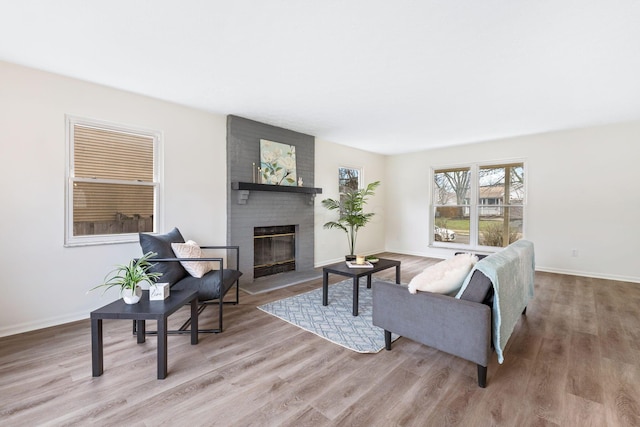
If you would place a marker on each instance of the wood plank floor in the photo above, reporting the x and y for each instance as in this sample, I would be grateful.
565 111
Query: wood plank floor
571 361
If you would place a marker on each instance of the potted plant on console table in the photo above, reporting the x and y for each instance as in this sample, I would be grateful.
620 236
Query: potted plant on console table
129 276
350 207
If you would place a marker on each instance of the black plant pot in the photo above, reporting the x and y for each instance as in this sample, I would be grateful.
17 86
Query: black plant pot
349 257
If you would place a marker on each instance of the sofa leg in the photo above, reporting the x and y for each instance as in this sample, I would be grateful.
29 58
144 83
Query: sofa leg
387 339
524 311
482 376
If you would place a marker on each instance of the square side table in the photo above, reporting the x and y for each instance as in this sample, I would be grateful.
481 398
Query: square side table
143 310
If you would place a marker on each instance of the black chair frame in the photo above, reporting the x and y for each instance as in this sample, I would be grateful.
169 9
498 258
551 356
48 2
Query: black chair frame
202 305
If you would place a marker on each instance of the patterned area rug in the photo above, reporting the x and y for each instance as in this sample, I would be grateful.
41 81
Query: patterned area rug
335 321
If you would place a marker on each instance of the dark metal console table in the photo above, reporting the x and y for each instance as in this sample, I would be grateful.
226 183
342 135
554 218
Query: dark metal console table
143 310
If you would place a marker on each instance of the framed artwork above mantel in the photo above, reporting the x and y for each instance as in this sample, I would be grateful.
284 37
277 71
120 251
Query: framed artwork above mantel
277 163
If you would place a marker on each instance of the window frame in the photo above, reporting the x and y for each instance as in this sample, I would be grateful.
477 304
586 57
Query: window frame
340 192
474 204
71 122
355 168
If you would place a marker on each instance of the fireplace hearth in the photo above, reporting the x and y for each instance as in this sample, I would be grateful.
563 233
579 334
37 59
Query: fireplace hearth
274 250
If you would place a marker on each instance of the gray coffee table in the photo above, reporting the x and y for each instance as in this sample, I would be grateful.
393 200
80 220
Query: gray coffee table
342 269
143 310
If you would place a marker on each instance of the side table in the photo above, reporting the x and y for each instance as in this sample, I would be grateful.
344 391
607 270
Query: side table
143 310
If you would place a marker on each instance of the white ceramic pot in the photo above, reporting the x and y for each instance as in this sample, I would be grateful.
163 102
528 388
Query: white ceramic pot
132 297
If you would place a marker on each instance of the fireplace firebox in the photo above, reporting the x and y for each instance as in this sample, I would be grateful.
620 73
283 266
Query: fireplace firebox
274 250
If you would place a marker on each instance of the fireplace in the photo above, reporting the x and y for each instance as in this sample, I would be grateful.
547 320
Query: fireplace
274 250
252 208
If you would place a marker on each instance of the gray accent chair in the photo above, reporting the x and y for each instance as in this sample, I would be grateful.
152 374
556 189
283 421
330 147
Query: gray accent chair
461 327
212 287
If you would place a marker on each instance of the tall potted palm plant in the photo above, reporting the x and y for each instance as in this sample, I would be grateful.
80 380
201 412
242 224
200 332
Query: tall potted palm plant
350 207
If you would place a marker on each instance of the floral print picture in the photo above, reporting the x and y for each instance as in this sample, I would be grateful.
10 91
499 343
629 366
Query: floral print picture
277 163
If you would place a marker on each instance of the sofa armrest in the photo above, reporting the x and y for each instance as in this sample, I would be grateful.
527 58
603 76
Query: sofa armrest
455 326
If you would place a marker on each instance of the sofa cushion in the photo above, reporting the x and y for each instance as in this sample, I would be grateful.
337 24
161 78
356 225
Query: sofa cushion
444 277
209 286
190 249
161 244
479 289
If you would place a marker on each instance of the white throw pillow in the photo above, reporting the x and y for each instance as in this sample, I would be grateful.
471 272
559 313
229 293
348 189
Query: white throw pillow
190 249
444 277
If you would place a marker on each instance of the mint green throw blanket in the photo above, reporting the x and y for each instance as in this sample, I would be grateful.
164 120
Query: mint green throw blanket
512 273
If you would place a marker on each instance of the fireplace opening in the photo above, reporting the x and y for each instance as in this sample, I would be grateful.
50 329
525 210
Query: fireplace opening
274 250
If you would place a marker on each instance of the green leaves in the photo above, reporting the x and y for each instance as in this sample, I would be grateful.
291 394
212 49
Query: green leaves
351 208
128 276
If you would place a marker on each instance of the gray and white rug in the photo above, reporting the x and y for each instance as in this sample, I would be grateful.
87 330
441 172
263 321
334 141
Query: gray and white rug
335 321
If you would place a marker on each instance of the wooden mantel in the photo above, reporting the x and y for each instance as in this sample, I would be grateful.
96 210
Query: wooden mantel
244 189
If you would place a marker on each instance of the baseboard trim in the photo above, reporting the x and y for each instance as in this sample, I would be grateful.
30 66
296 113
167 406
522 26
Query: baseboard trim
588 274
447 253
82 315
42 323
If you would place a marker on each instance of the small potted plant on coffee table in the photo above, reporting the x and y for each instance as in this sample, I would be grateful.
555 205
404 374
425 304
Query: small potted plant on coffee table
129 276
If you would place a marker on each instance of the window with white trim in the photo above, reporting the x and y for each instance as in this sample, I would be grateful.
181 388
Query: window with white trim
348 180
478 206
112 182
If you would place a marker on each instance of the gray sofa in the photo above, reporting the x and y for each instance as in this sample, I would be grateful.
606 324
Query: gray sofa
461 327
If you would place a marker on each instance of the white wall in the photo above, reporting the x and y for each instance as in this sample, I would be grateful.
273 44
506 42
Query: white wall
583 193
332 245
42 282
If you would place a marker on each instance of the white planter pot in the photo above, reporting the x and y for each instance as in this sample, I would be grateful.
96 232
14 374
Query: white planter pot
131 297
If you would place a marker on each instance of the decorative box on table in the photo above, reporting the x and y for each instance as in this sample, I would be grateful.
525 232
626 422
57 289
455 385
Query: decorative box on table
158 291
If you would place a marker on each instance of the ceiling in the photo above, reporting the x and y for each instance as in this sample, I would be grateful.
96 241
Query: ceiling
383 76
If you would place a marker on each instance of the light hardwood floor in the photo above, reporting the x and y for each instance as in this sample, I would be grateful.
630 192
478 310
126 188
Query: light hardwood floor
571 361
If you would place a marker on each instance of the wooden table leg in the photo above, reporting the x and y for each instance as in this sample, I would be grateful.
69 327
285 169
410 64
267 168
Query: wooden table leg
325 288
162 348
97 360
397 274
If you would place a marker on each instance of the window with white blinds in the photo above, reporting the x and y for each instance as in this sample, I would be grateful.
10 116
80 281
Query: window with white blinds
112 192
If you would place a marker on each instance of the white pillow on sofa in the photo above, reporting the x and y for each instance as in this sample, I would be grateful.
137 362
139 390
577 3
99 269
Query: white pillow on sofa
444 277
190 249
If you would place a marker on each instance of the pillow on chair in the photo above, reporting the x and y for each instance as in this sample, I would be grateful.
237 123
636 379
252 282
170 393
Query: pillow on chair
444 277
190 249
161 244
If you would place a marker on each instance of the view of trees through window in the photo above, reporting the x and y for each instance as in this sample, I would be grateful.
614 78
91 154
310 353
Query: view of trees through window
479 205
348 180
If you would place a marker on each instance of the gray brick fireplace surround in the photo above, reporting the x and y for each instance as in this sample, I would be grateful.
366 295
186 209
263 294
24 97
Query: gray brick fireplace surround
267 208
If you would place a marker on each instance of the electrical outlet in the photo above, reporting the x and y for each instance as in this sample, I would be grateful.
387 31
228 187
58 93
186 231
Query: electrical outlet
574 253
